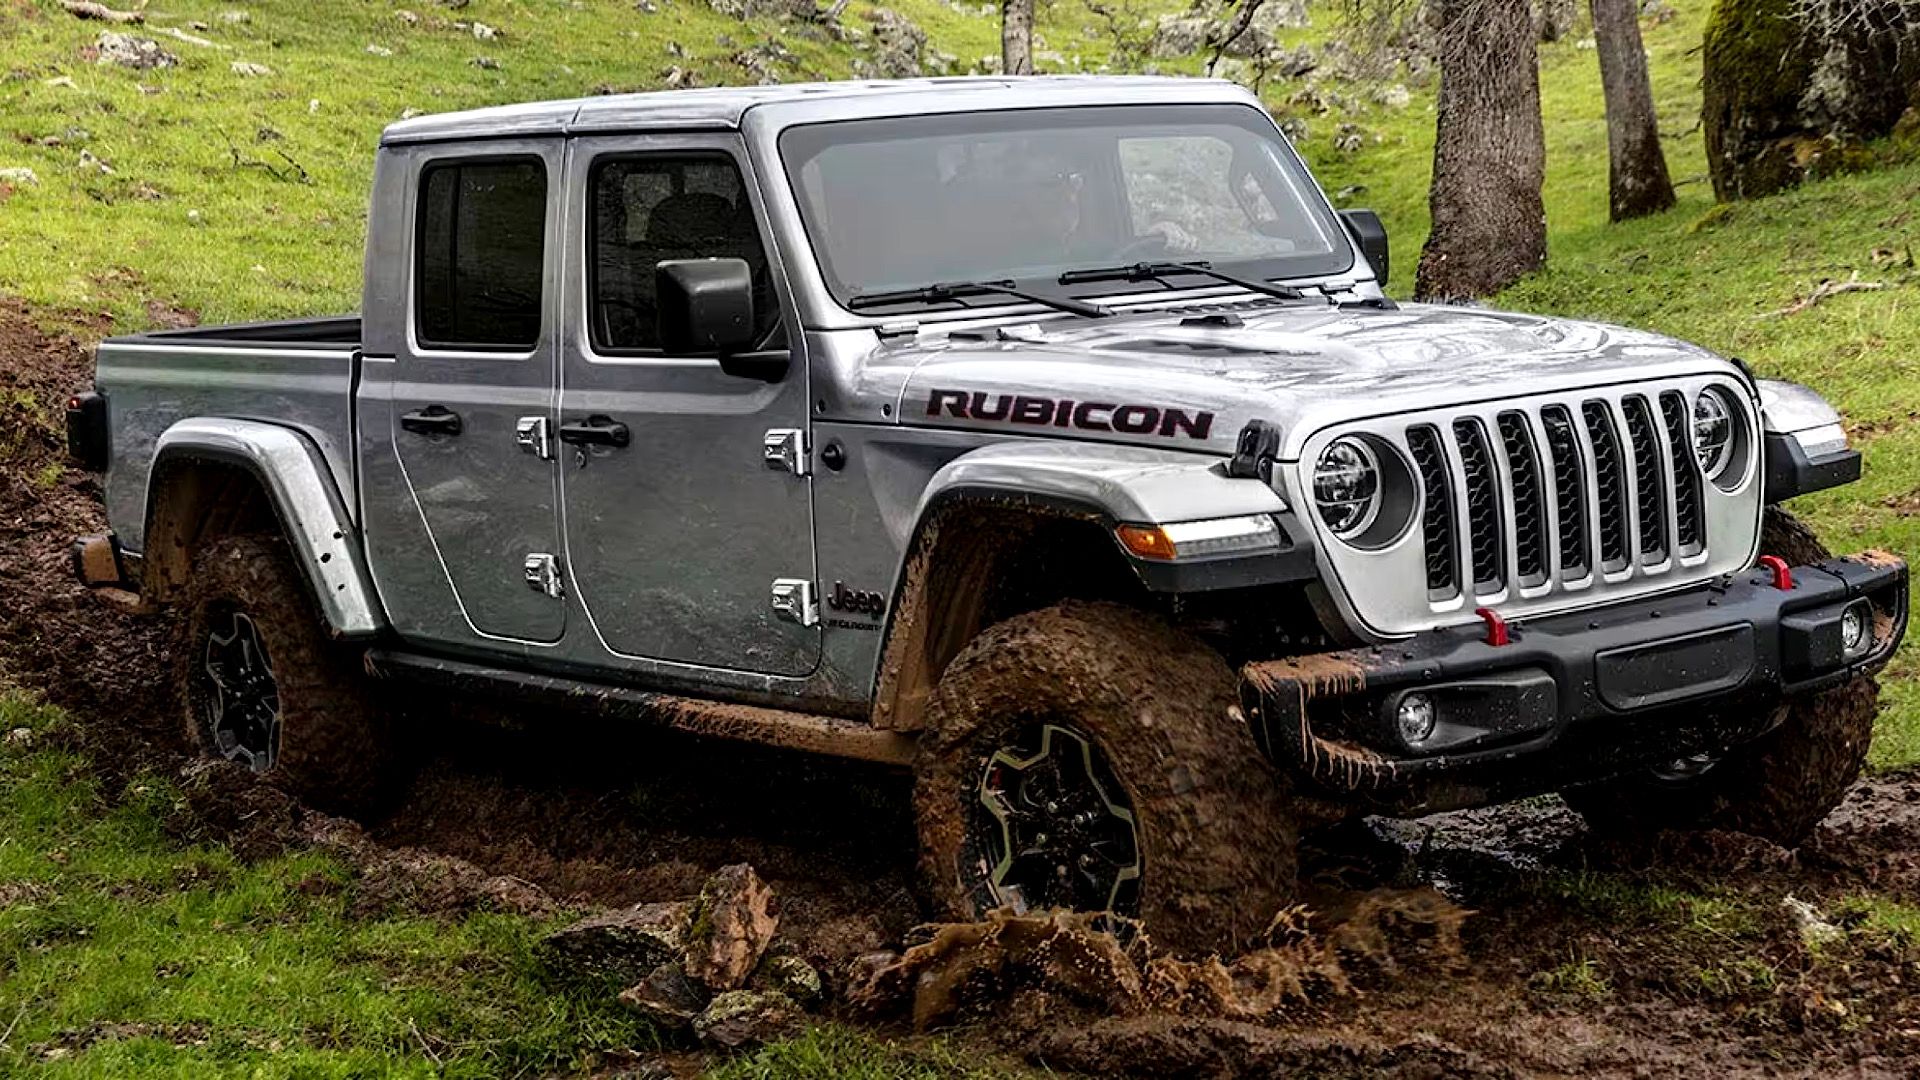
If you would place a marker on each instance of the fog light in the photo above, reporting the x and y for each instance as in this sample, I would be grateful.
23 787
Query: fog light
1415 718
1856 624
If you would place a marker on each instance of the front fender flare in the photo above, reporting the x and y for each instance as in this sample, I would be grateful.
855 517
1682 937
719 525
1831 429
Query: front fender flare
1139 485
312 514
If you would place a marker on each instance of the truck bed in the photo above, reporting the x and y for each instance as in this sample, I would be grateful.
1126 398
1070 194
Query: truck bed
297 373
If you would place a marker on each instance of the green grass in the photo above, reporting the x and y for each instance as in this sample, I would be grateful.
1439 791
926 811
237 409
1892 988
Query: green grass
190 215
837 1053
125 953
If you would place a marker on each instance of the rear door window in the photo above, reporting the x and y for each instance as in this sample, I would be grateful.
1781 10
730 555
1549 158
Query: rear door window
480 253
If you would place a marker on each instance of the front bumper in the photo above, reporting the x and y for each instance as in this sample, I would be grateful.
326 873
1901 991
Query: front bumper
1572 697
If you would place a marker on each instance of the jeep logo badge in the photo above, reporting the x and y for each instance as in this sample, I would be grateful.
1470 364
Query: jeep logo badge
856 601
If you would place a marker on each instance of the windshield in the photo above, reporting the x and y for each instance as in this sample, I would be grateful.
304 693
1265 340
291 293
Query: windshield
897 203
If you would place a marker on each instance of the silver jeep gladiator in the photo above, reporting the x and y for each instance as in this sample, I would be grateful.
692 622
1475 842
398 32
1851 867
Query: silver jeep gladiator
1051 437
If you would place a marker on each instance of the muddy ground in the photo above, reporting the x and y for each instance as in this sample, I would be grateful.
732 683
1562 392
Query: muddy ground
1498 943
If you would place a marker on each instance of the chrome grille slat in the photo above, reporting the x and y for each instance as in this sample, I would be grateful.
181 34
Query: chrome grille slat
1527 499
1649 490
1571 489
1689 530
1614 515
1436 513
1486 547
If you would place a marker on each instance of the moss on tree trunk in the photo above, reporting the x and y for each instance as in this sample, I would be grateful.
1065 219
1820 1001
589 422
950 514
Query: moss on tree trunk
1755 69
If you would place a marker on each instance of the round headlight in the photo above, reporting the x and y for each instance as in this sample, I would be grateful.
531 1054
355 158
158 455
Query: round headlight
1346 486
1713 432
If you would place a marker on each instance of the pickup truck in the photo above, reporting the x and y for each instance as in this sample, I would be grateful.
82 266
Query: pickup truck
1050 437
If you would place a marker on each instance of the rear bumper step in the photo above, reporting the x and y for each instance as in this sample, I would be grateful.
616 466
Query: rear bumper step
99 563
1573 697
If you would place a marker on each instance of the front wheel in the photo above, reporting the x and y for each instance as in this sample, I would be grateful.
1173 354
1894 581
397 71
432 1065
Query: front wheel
261 684
1089 757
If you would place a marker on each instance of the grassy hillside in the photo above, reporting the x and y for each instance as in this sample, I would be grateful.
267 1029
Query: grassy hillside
243 197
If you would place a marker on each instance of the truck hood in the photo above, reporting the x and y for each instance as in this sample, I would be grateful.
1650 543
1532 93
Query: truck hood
1184 382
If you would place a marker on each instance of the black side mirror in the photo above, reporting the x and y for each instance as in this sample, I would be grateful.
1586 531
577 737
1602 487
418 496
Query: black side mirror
705 306
706 309
1371 235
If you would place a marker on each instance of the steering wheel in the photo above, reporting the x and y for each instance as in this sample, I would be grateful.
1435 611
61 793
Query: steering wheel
1142 246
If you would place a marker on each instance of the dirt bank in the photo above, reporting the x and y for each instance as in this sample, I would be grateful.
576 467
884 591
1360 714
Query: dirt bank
1493 943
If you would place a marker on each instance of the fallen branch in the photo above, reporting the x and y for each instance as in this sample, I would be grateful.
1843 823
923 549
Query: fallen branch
181 35
297 175
1824 290
87 9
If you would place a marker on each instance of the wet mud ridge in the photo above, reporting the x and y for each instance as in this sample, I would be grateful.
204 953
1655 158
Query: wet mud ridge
1505 942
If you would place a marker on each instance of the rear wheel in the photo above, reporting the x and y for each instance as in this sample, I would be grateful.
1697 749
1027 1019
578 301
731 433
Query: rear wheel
1778 787
1089 757
263 686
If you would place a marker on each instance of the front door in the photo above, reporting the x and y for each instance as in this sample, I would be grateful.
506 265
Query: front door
471 391
677 529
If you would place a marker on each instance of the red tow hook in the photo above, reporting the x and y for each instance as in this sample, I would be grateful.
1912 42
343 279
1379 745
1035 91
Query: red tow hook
1777 566
1496 626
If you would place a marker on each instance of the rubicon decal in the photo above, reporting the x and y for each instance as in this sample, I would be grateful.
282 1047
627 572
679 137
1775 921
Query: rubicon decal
1066 413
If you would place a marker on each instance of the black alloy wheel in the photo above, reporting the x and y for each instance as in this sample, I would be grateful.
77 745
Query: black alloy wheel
239 697
1053 828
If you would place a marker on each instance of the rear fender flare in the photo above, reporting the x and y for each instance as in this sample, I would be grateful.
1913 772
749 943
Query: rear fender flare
312 514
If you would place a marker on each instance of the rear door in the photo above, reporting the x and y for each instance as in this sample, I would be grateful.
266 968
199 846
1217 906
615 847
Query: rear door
471 396
677 537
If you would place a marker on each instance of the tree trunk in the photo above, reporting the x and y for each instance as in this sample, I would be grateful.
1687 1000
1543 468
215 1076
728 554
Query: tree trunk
1016 37
1489 154
1637 181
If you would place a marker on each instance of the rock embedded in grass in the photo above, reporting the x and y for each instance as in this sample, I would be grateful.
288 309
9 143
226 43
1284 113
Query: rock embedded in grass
131 51
623 946
741 1019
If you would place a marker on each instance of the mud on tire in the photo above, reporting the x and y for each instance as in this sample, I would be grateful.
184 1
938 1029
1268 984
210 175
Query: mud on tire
1778 787
259 681
1212 825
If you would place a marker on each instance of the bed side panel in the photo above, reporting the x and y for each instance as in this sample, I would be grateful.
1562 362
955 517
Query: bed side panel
150 387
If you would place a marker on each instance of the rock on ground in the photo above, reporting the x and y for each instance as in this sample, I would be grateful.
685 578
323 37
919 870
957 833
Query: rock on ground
730 927
129 51
739 1019
624 946
667 997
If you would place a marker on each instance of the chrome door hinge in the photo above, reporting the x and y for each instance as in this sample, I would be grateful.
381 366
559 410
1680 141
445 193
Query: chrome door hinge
530 432
786 450
542 573
793 601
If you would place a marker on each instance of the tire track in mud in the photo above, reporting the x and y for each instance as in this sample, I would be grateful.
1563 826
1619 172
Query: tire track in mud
551 809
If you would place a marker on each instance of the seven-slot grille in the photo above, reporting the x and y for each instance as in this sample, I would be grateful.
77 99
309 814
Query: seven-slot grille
1542 497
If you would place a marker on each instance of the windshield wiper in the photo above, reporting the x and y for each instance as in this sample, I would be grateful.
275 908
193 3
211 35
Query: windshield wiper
1161 271
945 291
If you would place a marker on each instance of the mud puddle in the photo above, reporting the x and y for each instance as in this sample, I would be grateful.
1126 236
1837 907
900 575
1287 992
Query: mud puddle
1493 943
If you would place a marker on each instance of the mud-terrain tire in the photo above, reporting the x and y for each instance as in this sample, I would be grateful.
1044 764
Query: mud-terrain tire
1778 787
1213 830
333 748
